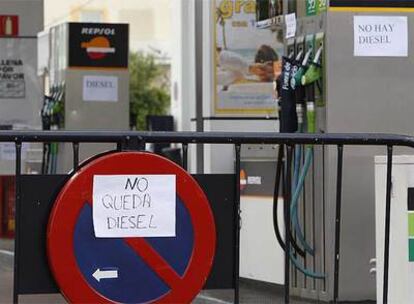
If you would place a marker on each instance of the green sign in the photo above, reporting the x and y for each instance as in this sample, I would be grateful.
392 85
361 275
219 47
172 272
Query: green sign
411 225
315 7
322 6
411 236
311 7
411 250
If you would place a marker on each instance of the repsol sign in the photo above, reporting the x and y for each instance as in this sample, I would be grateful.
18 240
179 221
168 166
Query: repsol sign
98 31
101 45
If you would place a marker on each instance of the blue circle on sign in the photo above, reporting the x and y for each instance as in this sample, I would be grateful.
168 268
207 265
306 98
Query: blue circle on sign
135 281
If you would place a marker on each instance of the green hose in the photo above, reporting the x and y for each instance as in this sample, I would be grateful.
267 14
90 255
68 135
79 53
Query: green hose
295 199
308 78
311 119
305 271
297 190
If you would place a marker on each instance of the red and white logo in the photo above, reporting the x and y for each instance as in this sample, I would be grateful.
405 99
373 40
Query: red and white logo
98 47
9 25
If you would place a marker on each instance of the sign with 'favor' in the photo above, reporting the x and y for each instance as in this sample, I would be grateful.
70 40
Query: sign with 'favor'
134 205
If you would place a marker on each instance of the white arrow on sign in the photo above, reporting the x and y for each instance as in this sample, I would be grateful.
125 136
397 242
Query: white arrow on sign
105 274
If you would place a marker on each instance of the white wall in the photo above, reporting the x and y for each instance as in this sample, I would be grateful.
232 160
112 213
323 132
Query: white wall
150 21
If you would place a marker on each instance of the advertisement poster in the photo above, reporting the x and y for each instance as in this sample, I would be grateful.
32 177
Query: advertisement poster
247 60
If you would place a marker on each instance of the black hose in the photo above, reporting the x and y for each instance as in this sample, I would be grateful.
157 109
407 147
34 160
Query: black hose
279 170
45 158
276 197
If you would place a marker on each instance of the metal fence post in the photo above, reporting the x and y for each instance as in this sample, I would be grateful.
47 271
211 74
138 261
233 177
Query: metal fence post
338 221
18 146
75 148
237 219
288 222
387 225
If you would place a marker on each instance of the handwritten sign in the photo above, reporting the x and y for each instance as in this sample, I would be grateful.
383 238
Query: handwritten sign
134 205
380 36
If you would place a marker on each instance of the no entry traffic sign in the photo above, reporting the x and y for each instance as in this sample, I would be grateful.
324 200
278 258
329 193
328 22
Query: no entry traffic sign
134 269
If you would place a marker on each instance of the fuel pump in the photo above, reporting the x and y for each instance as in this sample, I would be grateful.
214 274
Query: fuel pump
288 124
46 126
297 101
88 92
52 114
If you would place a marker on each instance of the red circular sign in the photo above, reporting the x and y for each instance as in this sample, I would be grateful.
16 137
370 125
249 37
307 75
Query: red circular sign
78 190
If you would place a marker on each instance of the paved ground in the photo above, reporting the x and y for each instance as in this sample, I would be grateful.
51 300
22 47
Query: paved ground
249 293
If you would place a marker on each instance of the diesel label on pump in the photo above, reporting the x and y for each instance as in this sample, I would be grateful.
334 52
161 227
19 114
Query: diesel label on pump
12 82
100 45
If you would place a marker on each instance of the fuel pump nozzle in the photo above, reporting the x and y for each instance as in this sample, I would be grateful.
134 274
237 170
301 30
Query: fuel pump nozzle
296 68
296 79
315 70
287 102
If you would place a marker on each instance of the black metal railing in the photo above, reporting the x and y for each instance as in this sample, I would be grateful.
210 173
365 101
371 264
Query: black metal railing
137 140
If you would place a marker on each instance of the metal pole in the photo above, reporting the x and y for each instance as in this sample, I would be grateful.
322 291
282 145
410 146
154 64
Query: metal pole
338 221
237 227
185 156
75 148
119 146
18 145
288 222
199 80
387 225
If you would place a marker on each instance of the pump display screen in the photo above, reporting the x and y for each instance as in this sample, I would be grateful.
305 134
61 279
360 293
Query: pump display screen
98 45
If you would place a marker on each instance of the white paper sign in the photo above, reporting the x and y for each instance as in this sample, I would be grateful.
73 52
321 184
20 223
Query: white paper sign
100 88
290 20
380 36
134 205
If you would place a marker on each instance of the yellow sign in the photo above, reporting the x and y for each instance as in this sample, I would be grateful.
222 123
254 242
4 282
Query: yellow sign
247 60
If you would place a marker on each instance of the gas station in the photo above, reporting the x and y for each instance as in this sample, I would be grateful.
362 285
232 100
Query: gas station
282 171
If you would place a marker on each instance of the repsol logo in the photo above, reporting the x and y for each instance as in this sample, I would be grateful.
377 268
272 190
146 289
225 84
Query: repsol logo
98 31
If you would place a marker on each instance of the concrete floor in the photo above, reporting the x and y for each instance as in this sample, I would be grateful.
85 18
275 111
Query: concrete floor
249 293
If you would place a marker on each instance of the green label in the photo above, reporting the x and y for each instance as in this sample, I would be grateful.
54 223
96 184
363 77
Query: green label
315 7
311 7
322 5
411 225
411 250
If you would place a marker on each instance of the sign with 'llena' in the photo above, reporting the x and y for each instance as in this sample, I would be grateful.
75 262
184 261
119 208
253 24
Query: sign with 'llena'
380 36
134 205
